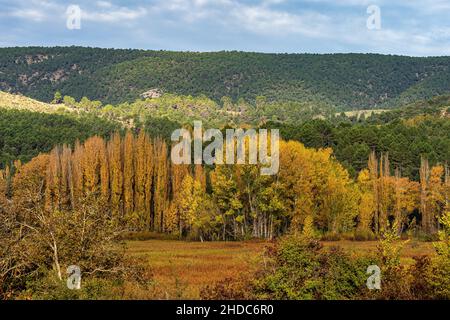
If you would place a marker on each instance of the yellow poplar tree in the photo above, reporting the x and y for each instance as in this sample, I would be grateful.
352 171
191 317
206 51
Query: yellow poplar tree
128 175
436 197
53 181
161 180
424 180
367 201
143 170
115 155
77 172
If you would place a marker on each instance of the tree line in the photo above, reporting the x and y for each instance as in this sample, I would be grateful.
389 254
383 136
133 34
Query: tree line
133 177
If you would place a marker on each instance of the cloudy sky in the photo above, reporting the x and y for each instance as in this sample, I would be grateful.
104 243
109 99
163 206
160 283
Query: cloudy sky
407 27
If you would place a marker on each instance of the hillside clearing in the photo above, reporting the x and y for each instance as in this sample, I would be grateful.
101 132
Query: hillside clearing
20 102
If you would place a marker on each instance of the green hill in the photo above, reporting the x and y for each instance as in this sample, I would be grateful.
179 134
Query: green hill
345 81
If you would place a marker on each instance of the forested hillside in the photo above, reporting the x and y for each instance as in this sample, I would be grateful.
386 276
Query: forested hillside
404 140
24 134
345 81
406 133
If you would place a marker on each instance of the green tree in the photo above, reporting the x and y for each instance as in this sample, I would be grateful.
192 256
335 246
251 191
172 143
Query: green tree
57 99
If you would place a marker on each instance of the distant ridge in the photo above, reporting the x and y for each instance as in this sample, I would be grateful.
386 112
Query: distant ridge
345 81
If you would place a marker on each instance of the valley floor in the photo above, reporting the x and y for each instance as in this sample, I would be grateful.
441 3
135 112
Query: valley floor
181 268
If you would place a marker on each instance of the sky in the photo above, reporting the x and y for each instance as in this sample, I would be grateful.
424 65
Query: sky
402 27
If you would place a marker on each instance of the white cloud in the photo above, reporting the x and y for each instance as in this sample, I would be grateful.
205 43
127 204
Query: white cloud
423 6
258 18
267 21
272 2
121 14
104 4
345 3
28 14
340 28
408 27
100 11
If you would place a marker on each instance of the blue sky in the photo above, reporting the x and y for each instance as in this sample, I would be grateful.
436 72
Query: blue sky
408 27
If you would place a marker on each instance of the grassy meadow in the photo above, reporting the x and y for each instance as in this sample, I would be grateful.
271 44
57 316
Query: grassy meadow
182 268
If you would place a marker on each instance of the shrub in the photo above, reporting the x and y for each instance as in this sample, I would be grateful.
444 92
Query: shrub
440 275
420 278
135 281
304 270
230 289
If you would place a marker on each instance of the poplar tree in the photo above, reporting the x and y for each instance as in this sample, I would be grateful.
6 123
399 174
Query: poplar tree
367 202
161 188
77 173
128 175
115 156
436 197
424 180
143 170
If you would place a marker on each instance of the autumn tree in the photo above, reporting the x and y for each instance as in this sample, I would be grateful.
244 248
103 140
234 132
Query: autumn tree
405 199
436 197
128 176
143 170
161 184
191 209
226 196
424 180
367 207
115 156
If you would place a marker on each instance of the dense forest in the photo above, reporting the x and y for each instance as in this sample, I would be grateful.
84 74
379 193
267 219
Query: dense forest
343 81
24 134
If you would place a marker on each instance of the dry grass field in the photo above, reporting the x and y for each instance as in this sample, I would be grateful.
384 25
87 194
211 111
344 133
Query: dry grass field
181 269
19 102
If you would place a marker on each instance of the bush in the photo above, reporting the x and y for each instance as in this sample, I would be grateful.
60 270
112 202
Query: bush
440 275
33 260
134 282
303 270
230 289
420 278
439 280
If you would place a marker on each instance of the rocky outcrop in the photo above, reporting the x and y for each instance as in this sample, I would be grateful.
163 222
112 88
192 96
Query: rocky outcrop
151 94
